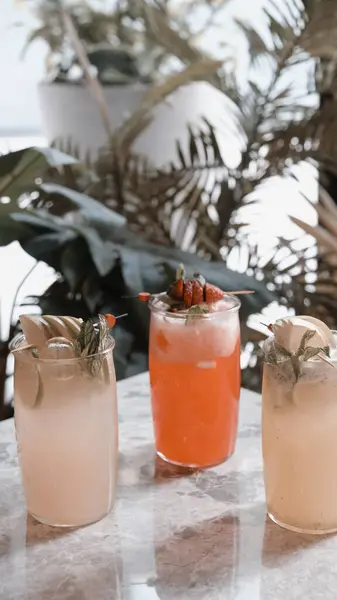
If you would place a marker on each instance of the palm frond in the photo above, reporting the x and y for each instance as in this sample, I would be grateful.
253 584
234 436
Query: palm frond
257 46
321 292
132 127
159 26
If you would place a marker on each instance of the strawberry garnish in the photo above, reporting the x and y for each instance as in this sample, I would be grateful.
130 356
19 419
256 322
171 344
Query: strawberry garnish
188 293
200 278
179 286
182 294
176 290
198 292
212 293
111 320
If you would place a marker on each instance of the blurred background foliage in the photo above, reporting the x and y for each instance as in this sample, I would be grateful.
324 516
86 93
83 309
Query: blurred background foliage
116 225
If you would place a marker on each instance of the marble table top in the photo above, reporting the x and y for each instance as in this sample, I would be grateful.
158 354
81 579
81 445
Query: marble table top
172 536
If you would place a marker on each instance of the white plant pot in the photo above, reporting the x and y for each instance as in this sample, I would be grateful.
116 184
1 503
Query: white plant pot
70 112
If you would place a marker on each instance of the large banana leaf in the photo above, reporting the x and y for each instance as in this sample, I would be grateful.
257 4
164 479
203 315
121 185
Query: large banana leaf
101 264
144 265
87 205
19 169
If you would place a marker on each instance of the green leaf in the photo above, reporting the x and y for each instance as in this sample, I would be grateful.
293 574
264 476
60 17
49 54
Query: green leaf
103 253
92 208
180 273
144 264
295 362
11 231
40 389
40 246
40 218
310 352
114 65
182 163
270 356
56 300
327 351
193 148
87 342
214 141
74 263
124 341
92 339
18 170
282 352
195 312
305 339
33 35
92 292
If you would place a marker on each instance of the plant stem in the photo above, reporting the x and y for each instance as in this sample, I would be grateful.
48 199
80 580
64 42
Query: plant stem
19 288
92 80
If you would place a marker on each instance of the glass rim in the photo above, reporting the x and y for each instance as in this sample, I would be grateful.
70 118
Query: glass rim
271 337
236 304
19 337
311 363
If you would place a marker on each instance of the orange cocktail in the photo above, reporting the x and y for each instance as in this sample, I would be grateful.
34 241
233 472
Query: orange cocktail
195 382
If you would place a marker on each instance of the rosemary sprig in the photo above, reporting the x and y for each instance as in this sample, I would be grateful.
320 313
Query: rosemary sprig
180 272
277 354
40 389
195 312
92 339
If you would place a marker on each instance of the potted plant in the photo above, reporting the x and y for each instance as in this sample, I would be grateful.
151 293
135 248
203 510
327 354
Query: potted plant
130 47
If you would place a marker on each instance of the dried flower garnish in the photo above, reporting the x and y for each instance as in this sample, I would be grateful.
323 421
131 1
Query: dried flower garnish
277 354
92 340
196 312
40 390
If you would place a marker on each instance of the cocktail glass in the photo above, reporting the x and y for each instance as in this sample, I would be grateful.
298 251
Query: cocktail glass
67 434
299 424
195 382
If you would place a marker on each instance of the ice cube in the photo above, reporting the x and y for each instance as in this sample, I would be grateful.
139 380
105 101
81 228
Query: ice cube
57 348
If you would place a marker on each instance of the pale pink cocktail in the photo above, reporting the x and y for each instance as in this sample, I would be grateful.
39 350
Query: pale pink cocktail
67 434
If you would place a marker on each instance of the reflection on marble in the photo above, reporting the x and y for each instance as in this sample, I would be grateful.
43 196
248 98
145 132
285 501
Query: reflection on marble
174 534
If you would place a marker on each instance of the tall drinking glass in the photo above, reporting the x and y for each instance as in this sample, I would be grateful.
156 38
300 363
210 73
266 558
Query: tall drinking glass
299 425
195 382
67 434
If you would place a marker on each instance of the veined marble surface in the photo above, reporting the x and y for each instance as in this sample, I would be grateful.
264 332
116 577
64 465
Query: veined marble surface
172 536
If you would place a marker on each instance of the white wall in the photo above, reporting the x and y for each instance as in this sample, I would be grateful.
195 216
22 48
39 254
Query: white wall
19 111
